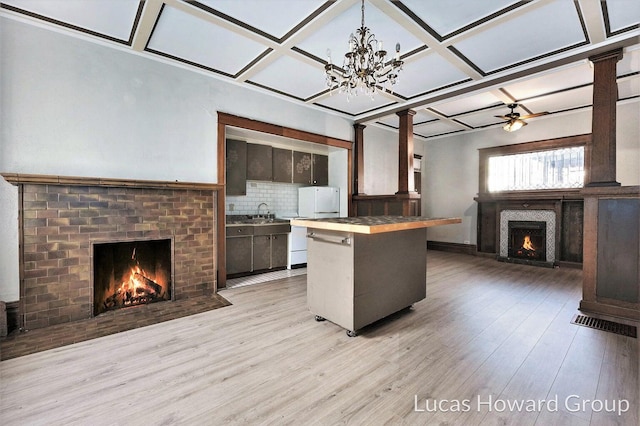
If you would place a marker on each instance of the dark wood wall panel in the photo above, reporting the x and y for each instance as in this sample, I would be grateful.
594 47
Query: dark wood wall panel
571 231
618 251
487 228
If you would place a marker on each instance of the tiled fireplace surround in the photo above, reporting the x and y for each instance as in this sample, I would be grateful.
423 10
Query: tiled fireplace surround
63 217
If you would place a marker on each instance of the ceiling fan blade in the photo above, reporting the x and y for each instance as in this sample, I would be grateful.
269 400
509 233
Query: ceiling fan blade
504 117
538 114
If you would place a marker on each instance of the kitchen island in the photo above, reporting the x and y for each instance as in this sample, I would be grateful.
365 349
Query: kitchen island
362 269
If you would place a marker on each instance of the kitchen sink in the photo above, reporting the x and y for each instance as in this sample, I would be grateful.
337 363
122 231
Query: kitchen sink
249 220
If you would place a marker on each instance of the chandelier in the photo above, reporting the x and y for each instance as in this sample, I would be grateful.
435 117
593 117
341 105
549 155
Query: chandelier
363 69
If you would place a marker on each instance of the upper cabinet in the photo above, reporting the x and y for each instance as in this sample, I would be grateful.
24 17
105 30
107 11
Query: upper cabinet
251 161
310 169
319 169
259 162
302 167
282 165
236 167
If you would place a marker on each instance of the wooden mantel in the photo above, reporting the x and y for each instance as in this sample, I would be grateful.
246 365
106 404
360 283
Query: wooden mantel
19 178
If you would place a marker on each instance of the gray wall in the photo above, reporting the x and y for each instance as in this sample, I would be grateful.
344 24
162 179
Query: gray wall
74 107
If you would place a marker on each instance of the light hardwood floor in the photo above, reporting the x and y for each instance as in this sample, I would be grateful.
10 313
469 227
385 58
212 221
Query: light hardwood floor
487 330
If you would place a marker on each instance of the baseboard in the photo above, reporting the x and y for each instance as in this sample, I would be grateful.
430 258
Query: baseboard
452 247
565 264
631 313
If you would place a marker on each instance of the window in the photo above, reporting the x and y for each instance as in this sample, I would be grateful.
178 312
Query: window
551 164
550 169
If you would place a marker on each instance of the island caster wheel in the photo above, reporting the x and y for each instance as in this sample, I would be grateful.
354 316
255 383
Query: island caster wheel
351 333
319 318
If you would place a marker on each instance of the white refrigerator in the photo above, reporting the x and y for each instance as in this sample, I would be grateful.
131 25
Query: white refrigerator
317 202
313 202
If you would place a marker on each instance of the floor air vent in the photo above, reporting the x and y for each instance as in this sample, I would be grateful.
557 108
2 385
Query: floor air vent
604 325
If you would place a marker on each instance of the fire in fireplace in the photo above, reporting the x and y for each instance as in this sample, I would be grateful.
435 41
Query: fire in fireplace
527 240
130 273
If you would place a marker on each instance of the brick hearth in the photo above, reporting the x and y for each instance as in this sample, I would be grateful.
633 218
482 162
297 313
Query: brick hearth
61 221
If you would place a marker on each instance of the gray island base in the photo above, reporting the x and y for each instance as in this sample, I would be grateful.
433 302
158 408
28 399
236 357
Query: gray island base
362 269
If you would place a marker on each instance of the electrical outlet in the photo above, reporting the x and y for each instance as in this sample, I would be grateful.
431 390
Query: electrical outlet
467 242
232 207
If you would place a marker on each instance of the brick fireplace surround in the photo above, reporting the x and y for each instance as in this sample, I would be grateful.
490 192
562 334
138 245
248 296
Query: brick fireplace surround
62 217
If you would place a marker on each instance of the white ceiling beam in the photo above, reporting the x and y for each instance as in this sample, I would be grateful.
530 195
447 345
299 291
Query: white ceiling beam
285 48
593 19
150 13
433 44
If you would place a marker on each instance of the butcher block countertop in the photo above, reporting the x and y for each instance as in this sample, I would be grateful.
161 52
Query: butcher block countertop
374 224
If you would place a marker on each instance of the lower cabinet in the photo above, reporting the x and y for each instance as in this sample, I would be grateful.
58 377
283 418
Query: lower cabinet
269 251
239 251
261 252
250 253
279 250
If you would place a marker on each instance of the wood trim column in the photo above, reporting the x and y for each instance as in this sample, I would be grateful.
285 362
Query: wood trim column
602 150
358 183
406 184
221 222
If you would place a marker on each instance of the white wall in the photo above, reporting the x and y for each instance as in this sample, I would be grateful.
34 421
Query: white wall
72 107
450 164
380 162
9 275
339 178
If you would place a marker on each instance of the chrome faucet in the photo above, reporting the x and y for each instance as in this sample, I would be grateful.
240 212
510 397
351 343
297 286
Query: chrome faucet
263 204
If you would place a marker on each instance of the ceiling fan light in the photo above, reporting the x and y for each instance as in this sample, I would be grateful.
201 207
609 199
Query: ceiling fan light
513 125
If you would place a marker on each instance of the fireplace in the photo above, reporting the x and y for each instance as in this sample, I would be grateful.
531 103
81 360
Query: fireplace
131 273
64 219
528 236
527 240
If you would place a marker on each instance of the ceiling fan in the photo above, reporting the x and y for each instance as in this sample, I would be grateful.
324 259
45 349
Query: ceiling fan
514 120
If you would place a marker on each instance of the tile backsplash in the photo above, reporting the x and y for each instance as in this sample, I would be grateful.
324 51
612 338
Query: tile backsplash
280 197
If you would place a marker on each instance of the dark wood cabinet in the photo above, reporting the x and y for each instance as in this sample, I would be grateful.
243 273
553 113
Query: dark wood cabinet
320 169
261 252
236 162
282 165
248 161
239 254
259 162
279 250
269 251
302 167
253 248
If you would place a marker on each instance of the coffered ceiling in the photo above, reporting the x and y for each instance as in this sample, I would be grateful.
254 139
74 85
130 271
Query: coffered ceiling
464 60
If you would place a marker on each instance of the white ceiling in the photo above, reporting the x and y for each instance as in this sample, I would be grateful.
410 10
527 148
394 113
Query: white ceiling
464 60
